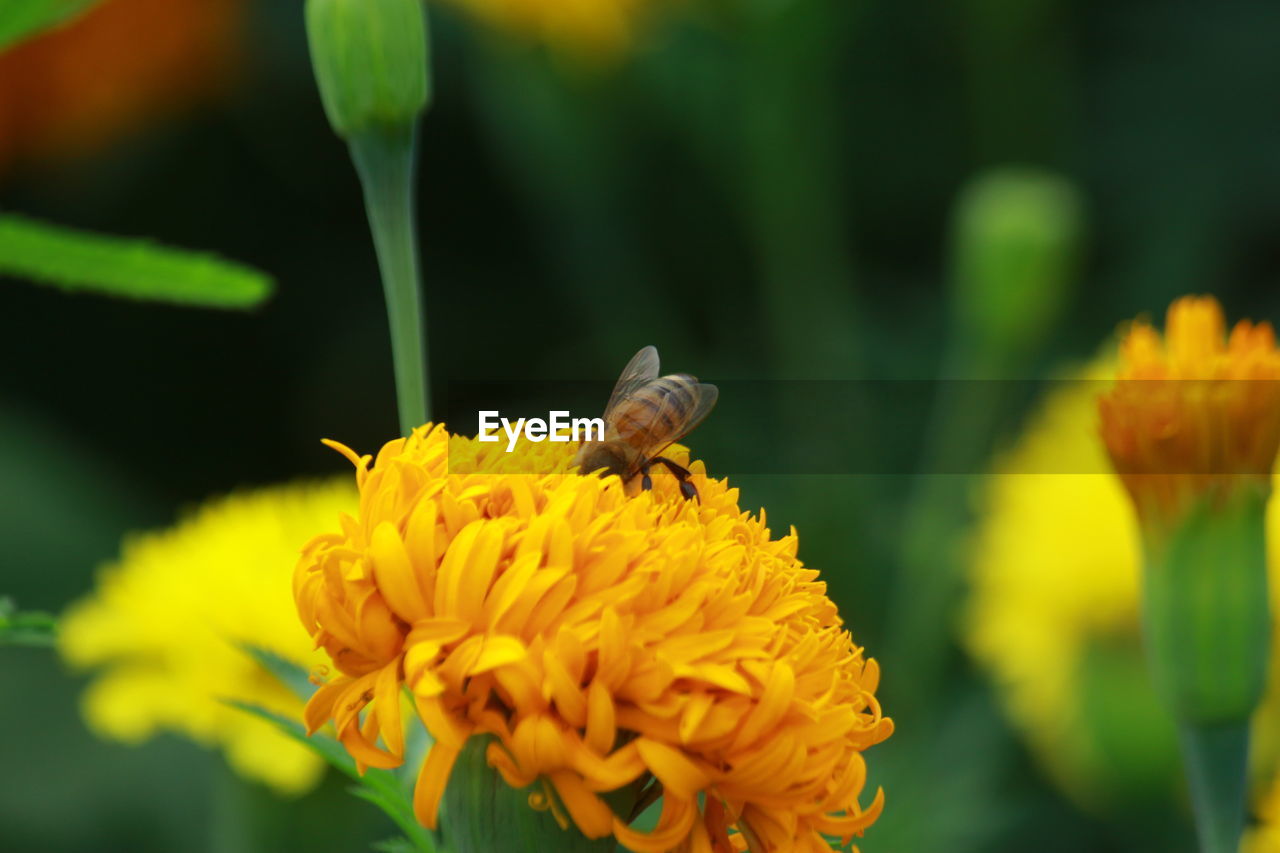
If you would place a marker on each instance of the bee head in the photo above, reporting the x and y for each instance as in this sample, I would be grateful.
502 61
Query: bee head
605 457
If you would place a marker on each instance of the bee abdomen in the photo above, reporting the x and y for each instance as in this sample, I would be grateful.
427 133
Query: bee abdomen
658 408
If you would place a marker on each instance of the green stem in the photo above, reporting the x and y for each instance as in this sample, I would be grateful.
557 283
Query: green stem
793 151
385 159
929 582
1216 760
232 825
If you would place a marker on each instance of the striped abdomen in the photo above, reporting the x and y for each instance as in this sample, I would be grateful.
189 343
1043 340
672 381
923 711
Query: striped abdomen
657 413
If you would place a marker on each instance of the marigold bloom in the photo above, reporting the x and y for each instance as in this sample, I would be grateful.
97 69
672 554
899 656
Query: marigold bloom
1192 412
166 623
1054 613
601 640
120 64
1265 838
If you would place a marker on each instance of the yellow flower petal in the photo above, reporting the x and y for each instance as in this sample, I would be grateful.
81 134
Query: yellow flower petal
678 774
593 818
432 780
394 574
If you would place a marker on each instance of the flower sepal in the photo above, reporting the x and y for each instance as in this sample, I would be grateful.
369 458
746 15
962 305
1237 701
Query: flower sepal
371 62
481 813
1207 615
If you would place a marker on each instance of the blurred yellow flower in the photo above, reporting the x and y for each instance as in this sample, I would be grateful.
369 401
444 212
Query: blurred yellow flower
603 642
1054 609
163 628
122 63
1266 837
600 26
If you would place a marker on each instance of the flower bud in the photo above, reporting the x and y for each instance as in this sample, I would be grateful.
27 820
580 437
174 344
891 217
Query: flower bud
1016 235
1206 607
370 60
1192 427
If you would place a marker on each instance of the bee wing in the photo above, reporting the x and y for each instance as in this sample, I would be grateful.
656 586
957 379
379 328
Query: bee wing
705 396
640 371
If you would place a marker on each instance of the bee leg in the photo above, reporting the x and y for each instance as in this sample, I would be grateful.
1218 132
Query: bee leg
646 481
682 474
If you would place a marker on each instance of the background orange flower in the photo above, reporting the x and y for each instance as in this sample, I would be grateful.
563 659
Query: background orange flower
120 65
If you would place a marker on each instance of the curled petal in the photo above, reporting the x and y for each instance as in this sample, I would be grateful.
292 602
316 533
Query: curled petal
363 751
679 775
386 706
590 814
431 783
677 819
394 573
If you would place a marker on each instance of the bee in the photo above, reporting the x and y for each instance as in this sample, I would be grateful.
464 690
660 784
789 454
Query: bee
645 415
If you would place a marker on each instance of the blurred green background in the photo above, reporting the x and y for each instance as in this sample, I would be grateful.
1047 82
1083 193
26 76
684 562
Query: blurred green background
762 189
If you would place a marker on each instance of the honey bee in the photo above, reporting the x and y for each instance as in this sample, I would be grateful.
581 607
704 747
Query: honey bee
646 414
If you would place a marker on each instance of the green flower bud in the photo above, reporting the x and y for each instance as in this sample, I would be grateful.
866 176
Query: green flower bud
1016 237
370 60
1206 611
1208 624
482 813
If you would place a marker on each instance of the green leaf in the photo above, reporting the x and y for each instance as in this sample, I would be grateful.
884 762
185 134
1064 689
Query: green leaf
481 812
380 787
25 629
22 18
286 672
326 747
394 845
126 268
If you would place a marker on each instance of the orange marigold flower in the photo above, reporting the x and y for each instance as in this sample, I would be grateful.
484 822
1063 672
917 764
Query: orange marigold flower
1194 412
603 642
120 64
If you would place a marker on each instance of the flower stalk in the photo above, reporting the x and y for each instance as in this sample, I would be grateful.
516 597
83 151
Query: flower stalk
1216 759
385 161
1192 429
370 59
1016 237
1207 622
